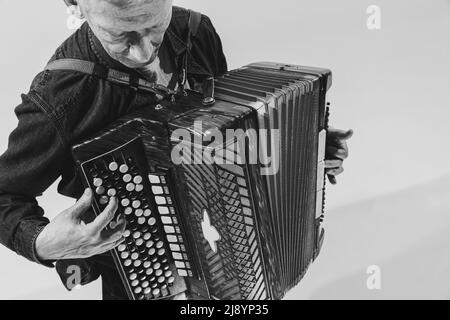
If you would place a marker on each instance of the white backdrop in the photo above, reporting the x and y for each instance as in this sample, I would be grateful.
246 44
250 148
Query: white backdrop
390 85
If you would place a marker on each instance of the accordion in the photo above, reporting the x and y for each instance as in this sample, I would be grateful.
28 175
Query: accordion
224 201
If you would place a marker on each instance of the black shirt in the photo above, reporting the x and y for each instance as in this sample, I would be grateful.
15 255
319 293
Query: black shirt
63 108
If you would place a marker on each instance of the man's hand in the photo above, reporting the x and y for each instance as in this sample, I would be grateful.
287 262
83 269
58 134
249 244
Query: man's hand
67 237
336 152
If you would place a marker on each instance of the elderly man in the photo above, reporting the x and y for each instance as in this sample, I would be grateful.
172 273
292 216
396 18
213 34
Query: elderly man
145 39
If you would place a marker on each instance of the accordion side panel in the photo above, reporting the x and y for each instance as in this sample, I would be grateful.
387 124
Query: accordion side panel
120 163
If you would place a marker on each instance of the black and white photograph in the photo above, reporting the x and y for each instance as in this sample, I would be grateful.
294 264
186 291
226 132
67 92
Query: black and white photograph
254 151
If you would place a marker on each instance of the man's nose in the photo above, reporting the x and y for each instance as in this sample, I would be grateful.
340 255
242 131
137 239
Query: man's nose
142 51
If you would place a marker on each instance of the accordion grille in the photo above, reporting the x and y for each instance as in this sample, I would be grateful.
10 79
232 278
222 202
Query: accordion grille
234 270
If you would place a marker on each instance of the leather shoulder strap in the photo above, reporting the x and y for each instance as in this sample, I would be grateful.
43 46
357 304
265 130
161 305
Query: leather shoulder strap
111 75
195 19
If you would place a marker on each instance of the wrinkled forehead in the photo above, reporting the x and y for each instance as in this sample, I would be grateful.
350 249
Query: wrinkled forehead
127 15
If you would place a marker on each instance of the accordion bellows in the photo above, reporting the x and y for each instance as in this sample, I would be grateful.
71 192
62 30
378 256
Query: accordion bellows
223 201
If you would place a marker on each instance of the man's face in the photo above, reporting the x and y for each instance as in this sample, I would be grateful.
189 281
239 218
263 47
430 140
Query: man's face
131 31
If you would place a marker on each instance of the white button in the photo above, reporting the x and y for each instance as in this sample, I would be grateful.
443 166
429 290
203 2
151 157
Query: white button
112 192
98 182
136 204
181 273
137 180
139 187
156 292
163 210
125 202
160 200
147 236
147 213
154 179
166 220
172 239
130 187
126 233
157 190
113 166
137 235
123 168
126 178
100 190
151 221
104 200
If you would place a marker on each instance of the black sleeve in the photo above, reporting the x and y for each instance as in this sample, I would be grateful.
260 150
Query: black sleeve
210 47
31 163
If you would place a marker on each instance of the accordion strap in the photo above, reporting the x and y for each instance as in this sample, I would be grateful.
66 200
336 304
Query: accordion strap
112 75
194 22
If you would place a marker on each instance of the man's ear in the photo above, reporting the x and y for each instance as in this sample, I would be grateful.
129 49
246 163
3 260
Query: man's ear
74 9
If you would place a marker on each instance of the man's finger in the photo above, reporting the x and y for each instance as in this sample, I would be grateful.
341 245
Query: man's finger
337 152
340 134
330 164
332 179
116 233
335 172
82 205
104 218
110 246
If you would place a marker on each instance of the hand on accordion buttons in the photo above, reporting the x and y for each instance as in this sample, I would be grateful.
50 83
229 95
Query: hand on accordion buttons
336 152
68 237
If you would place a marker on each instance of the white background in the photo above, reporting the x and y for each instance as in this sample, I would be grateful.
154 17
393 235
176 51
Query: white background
391 86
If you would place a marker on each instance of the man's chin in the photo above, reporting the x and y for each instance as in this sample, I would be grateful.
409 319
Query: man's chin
135 65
